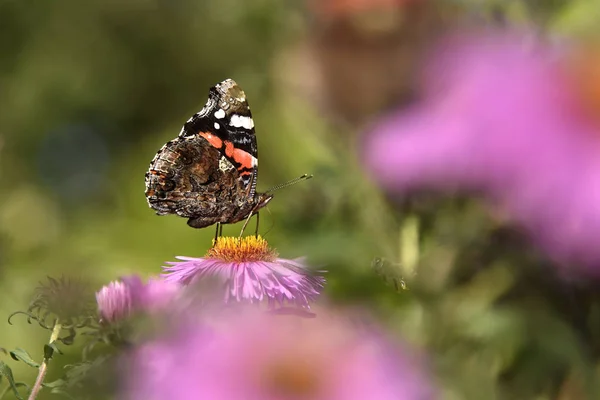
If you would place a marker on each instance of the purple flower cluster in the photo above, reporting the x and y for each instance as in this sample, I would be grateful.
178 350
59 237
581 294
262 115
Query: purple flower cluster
244 353
503 119
264 357
210 351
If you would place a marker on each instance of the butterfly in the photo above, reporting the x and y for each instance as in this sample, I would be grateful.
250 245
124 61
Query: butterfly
208 173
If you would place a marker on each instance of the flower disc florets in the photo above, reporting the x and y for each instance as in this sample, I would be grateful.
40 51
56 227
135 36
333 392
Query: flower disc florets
242 249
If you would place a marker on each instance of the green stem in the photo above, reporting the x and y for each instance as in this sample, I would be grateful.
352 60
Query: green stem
43 369
409 245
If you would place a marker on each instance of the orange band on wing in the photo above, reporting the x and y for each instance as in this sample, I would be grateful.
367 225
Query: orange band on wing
215 141
229 149
241 157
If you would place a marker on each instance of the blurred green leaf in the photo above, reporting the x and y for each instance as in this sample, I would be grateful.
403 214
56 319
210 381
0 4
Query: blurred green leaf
390 273
20 354
6 372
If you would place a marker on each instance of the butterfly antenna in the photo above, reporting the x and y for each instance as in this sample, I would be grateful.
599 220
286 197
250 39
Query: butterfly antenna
272 222
289 183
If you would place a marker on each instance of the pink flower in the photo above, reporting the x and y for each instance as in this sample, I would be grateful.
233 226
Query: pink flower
262 357
507 121
119 299
250 271
337 8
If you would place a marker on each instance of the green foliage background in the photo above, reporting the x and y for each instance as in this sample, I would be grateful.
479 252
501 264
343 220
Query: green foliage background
492 315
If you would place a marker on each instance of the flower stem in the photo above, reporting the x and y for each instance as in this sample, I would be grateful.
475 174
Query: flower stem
409 245
43 369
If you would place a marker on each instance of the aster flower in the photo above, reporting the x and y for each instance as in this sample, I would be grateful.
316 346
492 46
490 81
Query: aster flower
262 357
505 120
119 299
251 271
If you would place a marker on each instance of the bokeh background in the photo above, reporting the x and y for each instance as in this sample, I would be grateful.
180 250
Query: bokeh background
90 90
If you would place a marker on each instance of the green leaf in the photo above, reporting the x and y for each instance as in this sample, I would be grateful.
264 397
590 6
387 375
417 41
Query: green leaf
50 349
8 388
7 373
20 354
55 384
390 272
62 393
48 352
79 371
68 340
58 387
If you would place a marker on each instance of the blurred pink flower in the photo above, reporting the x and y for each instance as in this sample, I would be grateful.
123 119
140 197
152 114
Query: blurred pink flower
263 357
114 302
119 299
507 121
251 272
337 8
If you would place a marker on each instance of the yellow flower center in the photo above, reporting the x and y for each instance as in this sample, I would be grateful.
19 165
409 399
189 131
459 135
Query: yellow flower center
241 249
292 379
585 72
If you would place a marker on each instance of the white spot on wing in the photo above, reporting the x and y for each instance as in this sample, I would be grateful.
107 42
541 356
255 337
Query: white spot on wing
217 126
241 121
225 165
220 113
254 162
209 104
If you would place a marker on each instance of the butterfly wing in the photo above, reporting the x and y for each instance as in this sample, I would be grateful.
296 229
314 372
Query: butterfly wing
226 123
208 173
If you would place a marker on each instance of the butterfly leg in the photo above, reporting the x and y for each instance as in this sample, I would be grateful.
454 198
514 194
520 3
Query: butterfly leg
257 219
246 224
218 232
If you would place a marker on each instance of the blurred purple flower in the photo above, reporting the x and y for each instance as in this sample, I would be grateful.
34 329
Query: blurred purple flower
251 272
114 302
119 299
262 357
506 121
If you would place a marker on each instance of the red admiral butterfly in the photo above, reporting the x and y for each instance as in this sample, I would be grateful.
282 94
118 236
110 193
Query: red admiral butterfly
208 173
